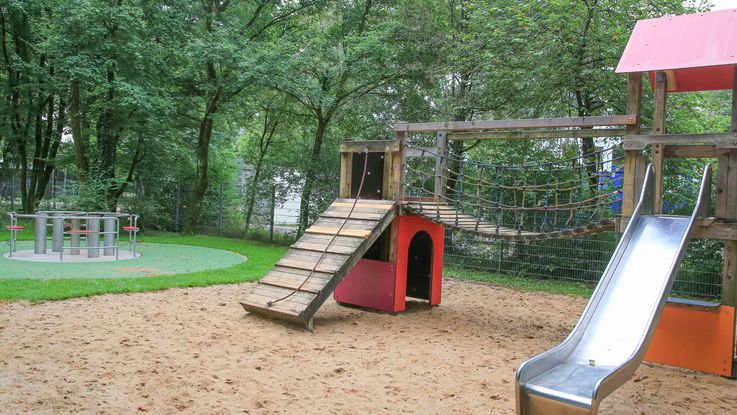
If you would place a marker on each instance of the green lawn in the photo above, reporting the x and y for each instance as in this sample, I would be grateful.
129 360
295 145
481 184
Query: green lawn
522 283
261 258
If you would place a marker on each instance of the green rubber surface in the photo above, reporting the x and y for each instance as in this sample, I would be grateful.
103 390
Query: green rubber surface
156 259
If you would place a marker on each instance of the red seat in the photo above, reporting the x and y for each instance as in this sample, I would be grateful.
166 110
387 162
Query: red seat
130 228
82 231
14 227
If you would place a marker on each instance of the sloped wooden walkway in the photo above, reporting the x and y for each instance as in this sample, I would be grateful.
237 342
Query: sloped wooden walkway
321 249
448 216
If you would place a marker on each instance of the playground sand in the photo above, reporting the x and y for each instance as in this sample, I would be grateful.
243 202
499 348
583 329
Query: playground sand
196 351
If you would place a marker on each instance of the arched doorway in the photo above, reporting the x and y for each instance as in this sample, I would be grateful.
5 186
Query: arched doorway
419 266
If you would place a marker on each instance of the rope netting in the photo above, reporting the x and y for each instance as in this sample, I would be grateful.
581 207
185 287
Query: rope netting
551 197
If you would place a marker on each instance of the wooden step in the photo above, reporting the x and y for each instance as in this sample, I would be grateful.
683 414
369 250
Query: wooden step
320 259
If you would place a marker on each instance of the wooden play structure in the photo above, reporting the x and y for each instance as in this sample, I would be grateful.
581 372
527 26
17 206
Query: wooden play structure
382 240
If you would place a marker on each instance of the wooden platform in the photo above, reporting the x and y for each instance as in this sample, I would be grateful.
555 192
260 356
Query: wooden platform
448 216
320 259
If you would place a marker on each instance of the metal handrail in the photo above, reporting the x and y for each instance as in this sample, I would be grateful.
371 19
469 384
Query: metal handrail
132 220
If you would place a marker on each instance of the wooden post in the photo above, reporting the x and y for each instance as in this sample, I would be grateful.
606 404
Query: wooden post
346 171
399 159
387 192
726 208
441 163
634 160
661 97
734 100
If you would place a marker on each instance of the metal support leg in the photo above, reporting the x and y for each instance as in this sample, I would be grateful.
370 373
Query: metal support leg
12 239
57 233
109 238
93 238
40 235
75 238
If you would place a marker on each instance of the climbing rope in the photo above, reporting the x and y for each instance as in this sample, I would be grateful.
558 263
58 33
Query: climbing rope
335 236
562 198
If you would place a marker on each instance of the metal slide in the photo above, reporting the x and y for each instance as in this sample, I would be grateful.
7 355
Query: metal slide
612 336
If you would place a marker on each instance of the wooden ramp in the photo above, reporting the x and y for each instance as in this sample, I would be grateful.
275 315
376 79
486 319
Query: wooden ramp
448 216
329 254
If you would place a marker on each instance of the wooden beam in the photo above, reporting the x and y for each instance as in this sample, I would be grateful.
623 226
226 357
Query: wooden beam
346 174
415 152
726 209
720 140
734 100
690 151
388 187
399 162
374 146
441 163
538 134
729 275
601 121
660 100
634 160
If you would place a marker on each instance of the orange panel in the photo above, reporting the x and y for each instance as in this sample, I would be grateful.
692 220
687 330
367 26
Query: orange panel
695 338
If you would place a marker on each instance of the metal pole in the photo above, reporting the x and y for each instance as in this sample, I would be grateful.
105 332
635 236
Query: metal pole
75 237
53 198
273 209
57 233
13 234
93 238
109 239
40 234
176 208
220 218
12 193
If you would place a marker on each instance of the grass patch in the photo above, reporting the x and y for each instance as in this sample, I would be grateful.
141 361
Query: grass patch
261 258
522 283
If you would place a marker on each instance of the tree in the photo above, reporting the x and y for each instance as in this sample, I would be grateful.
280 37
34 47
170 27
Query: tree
33 109
340 57
228 53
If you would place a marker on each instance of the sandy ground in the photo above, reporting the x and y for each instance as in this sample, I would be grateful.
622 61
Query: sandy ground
197 351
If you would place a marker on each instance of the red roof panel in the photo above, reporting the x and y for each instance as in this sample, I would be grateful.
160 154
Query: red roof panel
700 50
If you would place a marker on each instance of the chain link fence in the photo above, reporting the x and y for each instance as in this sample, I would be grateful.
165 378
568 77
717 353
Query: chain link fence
275 215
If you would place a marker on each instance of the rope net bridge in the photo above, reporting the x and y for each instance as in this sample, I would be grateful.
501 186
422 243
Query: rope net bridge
565 198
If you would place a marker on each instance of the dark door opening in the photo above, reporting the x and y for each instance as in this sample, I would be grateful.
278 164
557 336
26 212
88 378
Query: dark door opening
373 184
419 266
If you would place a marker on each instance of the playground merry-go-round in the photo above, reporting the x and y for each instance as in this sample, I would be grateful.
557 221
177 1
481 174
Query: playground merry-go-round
76 236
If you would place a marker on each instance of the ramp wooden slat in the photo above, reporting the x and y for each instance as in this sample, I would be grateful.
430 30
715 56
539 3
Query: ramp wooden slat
308 265
322 246
356 233
278 270
360 224
320 259
337 214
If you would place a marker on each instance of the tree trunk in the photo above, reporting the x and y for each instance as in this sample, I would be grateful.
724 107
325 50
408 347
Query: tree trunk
267 136
251 192
201 174
80 146
53 137
304 205
108 135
